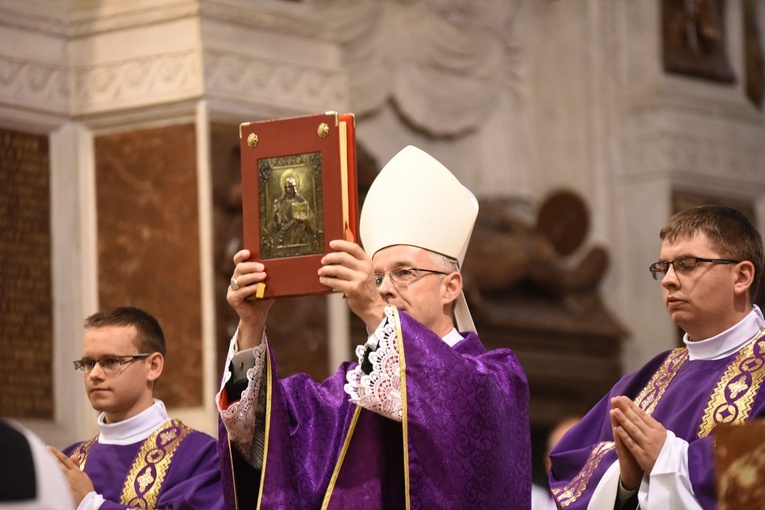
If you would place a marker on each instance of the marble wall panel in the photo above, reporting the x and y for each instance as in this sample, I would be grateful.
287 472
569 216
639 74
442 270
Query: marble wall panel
148 244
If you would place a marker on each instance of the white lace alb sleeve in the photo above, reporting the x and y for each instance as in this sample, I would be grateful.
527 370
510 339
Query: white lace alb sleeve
244 417
380 390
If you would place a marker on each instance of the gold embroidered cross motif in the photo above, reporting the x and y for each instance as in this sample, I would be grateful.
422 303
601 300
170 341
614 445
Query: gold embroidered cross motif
145 479
148 473
169 435
738 386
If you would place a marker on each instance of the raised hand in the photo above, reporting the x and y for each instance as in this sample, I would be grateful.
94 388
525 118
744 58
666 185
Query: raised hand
350 271
80 483
252 311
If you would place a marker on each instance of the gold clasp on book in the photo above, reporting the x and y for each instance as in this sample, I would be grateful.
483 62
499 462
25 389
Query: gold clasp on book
323 130
252 140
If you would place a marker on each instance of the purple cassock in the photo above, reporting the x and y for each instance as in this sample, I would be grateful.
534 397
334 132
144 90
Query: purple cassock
689 398
463 441
176 467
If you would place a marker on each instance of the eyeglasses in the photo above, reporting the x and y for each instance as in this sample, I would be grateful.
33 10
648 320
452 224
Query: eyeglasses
402 276
109 364
683 265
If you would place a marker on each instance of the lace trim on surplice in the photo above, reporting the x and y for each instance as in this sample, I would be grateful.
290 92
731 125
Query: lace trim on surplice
240 417
380 390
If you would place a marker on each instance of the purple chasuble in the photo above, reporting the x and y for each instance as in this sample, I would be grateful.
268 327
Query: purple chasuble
191 480
687 397
465 426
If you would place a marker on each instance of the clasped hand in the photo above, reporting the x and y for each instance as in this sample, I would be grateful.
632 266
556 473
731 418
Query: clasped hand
638 438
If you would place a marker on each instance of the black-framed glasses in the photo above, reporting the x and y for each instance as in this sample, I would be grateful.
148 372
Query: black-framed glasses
683 265
109 364
402 276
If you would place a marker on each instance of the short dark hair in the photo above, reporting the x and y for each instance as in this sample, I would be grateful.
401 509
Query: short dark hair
150 337
729 231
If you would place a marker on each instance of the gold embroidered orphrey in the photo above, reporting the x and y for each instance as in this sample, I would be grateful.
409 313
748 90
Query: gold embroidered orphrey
733 396
576 487
150 465
730 402
646 400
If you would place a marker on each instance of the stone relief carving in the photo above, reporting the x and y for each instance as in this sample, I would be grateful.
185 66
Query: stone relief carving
138 81
34 83
694 39
439 61
255 78
446 65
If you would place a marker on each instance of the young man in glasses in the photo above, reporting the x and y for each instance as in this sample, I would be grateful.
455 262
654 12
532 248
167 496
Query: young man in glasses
141 458
649 442
427 418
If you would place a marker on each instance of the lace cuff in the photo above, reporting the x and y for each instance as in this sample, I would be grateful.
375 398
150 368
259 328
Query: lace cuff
380 391
242 417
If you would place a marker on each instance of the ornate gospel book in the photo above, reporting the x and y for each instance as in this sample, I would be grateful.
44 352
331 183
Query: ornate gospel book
299 192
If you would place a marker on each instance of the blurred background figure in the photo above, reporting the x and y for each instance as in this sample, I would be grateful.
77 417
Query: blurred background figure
541 497
29 474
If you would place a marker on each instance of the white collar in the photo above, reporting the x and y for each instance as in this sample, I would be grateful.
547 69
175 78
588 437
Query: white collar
134 429
452 337
729 341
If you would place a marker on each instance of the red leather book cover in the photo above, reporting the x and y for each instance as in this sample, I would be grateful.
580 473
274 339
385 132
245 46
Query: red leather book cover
299 192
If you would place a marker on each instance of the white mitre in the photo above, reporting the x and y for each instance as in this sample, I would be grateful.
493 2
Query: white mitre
415 200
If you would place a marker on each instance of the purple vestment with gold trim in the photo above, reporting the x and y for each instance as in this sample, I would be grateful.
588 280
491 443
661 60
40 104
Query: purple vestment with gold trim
687 397
183 462
465 421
